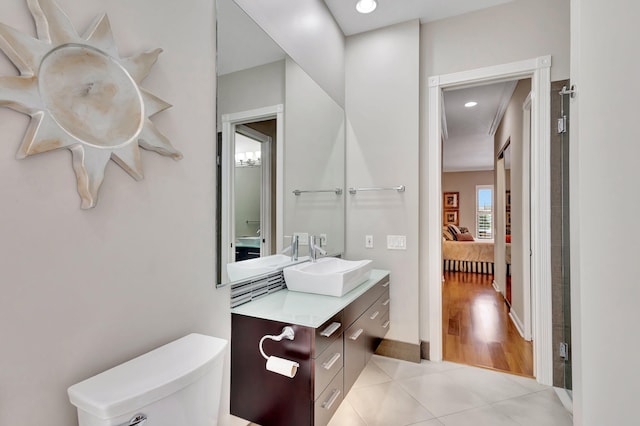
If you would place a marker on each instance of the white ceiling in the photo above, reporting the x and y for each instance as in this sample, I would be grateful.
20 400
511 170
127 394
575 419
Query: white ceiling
391 12
470 131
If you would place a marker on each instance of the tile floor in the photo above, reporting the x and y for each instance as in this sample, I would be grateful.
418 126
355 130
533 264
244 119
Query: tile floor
391 392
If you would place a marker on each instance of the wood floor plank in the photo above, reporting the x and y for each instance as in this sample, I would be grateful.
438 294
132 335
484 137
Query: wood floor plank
477 329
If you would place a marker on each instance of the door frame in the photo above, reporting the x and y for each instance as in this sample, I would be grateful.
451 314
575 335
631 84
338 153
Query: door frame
539 70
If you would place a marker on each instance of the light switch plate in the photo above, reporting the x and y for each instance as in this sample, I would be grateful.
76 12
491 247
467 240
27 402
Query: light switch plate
396 242
303 238
368 241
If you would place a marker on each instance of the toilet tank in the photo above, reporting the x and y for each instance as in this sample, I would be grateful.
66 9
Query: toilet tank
176 384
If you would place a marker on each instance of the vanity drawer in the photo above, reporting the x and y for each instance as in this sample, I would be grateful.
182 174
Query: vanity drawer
327 365
327 333
385 324
384 302
360 305
329 401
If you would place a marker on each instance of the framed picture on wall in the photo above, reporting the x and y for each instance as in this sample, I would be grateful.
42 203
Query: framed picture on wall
451 217
451 200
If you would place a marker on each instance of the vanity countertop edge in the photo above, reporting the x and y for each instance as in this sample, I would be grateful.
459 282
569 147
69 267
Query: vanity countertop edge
305 309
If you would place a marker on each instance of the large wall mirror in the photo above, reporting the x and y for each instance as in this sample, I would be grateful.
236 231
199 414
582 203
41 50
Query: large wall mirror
279 134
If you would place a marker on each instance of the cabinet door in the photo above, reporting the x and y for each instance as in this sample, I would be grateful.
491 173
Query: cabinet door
354 352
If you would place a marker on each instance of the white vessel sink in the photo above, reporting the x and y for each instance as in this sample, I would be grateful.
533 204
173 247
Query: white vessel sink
329 276
258 266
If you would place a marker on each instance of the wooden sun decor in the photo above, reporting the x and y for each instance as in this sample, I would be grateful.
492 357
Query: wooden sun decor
81 96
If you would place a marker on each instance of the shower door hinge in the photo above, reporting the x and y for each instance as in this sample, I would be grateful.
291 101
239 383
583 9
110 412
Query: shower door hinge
569 91
564 351
562 124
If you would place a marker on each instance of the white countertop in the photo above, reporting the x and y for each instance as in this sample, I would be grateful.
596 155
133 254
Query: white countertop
309 310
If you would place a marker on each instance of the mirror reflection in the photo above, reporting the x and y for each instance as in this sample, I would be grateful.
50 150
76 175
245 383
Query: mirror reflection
278 131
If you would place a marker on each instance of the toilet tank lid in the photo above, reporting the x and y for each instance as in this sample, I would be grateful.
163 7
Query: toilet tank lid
147 378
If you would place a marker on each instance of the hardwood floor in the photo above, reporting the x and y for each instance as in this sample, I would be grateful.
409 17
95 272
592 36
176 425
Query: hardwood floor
477 329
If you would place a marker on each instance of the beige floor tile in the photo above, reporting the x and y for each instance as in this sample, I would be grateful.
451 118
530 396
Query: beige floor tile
398 369
488 385
346 416
483 416
440 394
387 404
371 375
540 408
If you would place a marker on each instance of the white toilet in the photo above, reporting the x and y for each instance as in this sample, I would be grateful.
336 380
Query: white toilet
176 384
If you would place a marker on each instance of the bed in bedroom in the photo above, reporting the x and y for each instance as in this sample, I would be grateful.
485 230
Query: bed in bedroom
468 255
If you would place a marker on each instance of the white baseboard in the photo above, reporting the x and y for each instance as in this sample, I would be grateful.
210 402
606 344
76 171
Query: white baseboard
495 286
516 321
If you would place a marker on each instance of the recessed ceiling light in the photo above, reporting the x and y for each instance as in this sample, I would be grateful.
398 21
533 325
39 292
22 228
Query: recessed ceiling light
366 6
471 104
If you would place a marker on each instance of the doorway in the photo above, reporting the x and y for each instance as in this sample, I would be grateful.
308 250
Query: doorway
538 69
480 326
252 192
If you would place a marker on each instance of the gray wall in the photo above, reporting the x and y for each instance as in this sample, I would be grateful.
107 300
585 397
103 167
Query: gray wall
314 144
249 89
465 183
317 46
502 34
248 185
382 150
511 129
83 291
604 179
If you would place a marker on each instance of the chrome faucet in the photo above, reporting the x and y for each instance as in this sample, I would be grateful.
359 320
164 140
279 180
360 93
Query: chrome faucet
315 247
293 248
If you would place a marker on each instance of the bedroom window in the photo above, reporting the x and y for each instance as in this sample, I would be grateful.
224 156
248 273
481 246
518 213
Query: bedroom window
484 212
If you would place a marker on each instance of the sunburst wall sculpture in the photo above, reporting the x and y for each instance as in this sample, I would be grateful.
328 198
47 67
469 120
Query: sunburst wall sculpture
81 96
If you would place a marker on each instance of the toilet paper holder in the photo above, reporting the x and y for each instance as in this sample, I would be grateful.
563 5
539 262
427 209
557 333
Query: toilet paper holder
287 333
284 367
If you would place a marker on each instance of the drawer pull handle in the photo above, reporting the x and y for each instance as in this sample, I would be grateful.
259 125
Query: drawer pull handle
386 324
327 365
331 329
375 315
386 302
385 285
329 402
357 334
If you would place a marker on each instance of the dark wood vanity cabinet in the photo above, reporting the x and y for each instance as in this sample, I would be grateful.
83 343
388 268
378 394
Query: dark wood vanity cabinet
361 339
331 358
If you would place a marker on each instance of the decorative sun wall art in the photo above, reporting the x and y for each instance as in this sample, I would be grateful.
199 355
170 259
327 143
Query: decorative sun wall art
81 95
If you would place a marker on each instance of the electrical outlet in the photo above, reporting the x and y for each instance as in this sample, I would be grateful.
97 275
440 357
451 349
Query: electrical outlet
323 240
303 238
368 241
